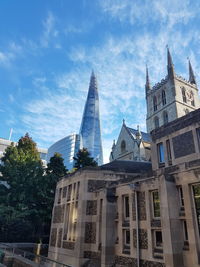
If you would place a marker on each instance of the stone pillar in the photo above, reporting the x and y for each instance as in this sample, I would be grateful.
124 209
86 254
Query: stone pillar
172 231
108 228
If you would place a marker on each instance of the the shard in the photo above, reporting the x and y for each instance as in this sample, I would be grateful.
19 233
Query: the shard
90 130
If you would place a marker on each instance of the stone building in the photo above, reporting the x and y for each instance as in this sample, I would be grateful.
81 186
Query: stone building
129 213
171 98
131 145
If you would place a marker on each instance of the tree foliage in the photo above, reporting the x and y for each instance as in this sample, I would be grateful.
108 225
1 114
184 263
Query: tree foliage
27 200
83 159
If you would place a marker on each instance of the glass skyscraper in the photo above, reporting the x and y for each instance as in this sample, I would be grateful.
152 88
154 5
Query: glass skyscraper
90 127
67 147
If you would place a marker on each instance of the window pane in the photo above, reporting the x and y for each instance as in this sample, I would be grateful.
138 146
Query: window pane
196 190
161 157
169 156
156 204
158 237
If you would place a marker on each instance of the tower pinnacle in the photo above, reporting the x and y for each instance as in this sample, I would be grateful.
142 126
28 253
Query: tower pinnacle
191 74
147 85
170 65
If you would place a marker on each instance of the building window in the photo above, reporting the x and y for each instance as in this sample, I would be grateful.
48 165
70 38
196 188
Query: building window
185 231
198 136
156 204
155 103
158 239
163 98
123 146
127 237
180 192
192 98
126 207
196 192
184 95
165 117
169 155
161 156
156 122
59 195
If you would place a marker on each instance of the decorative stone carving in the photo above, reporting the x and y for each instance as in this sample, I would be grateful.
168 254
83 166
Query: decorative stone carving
91 255
58 214
132 262
94 185
143 239
53 237
68 245
59 238
141 206
91 208
156 223
90 232
187 140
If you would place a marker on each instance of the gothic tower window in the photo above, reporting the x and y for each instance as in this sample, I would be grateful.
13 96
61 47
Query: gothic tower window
192 98
156 122
184 95
154 103
123 146
165 117
163 98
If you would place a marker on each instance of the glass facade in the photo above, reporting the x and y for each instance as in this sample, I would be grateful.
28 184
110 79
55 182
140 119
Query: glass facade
90 127
67 147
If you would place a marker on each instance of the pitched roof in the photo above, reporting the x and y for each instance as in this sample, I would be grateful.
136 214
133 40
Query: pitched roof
145 136
128 166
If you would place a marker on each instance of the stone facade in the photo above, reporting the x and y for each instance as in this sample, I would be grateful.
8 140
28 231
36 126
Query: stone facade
131 145
99 222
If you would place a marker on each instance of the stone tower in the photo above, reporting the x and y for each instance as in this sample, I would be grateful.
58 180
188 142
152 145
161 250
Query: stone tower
171 98
90 130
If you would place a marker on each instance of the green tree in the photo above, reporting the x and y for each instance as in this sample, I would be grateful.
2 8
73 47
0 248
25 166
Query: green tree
83 159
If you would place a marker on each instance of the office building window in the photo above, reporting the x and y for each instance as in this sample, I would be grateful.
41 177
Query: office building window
160 151
169 155
154 103
156 122
158 239
196 193
198 136
163 98
126 207
156 204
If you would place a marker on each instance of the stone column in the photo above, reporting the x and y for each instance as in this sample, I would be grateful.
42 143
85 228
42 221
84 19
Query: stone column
108 228
172 232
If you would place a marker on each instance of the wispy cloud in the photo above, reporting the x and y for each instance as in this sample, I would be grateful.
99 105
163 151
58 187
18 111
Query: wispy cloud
50 30
168 12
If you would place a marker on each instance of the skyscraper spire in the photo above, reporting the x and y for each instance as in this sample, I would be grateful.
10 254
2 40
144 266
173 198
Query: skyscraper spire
147 85
170 65
191 73
90 127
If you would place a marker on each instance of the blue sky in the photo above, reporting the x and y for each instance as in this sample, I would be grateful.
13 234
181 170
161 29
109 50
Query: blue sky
48 49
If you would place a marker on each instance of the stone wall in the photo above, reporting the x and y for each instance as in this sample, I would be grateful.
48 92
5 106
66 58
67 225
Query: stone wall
91 208
183 144
90 232
58 214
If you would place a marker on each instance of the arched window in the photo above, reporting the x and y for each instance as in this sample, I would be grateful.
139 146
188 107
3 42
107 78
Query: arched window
123 146
192 98
184 95
154 103
163 98
156 122
165 117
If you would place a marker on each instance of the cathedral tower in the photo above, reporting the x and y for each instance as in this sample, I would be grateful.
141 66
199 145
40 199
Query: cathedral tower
171 98
90 127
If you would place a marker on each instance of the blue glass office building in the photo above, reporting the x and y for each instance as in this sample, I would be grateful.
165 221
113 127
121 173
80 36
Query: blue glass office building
90 127
67 147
